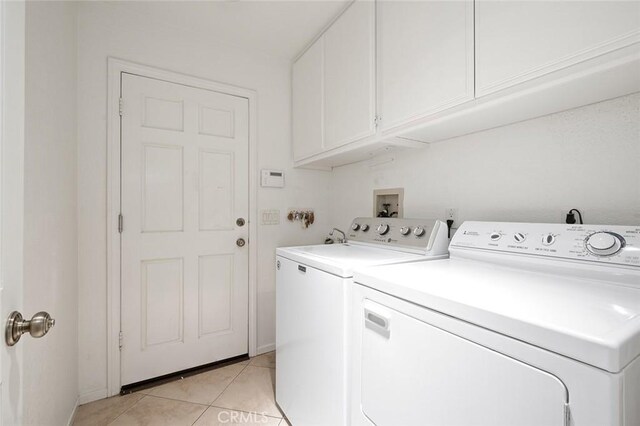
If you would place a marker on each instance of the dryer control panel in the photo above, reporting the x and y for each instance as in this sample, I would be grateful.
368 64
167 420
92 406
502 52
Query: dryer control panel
597 243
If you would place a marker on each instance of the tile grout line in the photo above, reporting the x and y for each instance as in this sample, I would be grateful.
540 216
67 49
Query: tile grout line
234 379
177 400
136 403
162 397
261 366
245 411
187 378
223 390
202 414
231 382
206 404
145 395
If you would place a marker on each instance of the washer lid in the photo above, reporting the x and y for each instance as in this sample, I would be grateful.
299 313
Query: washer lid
590 320
342 259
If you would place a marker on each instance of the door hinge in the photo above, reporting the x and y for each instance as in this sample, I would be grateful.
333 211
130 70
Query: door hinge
376 120
120 341
120 106
567 414
120 223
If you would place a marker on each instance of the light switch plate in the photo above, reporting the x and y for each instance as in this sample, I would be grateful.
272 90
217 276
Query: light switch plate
270 217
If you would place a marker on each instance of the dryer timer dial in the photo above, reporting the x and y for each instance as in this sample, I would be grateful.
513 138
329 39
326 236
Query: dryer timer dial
604 243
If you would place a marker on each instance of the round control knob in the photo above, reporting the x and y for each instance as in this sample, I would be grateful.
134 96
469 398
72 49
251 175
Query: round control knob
548 239
495 236
519 237
405 230
383 228
364 228
604 243
418 231
355 226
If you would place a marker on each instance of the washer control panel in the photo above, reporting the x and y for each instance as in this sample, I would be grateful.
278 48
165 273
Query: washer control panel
597 243
414 233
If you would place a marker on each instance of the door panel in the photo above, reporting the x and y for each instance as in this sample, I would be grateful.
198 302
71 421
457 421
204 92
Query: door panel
215 317
216 190
425 58
414 373
162 299
162 188
307 100
521 40
349 64
184 183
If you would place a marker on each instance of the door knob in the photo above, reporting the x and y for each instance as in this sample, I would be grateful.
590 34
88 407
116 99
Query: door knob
37 326
240 221
240 242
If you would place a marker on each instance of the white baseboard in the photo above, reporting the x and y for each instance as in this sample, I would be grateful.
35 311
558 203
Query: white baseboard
72 417
92 396
265 348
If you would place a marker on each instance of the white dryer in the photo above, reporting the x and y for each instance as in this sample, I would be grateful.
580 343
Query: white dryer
313 291
524 324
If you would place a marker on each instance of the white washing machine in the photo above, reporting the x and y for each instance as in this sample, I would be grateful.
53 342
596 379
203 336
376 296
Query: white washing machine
524 324
313 291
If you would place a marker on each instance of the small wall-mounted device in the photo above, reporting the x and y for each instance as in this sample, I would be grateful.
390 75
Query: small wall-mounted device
272 179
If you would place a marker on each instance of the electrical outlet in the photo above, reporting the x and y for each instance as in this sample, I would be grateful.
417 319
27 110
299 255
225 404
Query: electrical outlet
576 216
452 214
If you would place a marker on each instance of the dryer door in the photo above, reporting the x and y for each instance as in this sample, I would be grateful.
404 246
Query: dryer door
414 373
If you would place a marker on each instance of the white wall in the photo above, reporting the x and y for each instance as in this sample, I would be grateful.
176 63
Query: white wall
105 31
534 171
50 206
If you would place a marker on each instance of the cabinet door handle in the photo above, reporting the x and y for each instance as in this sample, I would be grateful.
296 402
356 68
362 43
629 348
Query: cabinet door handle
302 268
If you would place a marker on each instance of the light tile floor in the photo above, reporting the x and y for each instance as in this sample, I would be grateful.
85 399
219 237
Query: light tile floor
238 394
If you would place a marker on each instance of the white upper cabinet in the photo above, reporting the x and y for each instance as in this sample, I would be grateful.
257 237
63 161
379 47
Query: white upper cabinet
307 102
432 70
425 58
521 40
349 76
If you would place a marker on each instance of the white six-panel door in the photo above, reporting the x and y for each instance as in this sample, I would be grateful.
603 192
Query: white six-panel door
184 184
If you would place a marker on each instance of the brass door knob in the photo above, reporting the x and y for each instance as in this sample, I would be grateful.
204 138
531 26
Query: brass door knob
37 326
240 242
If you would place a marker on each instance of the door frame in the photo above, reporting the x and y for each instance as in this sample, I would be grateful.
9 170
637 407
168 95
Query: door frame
115 68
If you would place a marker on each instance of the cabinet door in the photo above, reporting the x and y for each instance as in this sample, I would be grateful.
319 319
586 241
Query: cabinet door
349 45
521 40
307 102
425 58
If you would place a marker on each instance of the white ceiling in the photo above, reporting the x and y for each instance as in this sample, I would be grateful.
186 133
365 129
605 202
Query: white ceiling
275 28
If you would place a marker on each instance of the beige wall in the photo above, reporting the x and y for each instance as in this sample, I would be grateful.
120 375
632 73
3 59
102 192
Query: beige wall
50 206
103 31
